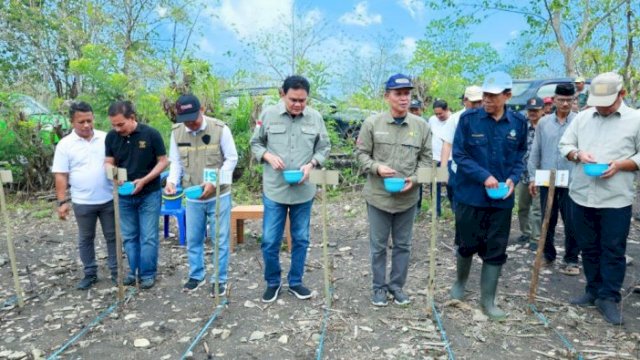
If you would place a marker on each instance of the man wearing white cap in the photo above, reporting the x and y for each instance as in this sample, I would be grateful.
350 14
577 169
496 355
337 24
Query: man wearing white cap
581 92
489 147
608 132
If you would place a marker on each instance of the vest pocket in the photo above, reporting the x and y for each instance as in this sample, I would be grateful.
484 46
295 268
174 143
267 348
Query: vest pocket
213 156
184 155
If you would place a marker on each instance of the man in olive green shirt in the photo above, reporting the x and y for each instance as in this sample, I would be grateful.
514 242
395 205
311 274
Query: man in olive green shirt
288 136
392 144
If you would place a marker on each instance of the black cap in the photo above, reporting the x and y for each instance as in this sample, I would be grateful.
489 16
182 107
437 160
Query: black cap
566 89
187 108
535 103
415 104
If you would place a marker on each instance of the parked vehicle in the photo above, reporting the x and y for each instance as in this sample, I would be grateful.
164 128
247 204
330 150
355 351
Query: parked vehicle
30 112
524 90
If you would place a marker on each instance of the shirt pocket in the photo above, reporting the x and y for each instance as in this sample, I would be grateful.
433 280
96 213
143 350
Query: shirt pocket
277 134
184 155
213 156
308 137
408 157
382 148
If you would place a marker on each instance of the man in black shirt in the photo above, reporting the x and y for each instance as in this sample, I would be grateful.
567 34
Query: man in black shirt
139 149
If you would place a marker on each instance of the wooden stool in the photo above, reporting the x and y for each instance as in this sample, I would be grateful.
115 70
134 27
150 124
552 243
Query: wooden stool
241 213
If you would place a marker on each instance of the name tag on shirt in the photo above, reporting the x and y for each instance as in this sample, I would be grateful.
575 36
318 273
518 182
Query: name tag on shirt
542 178
210 176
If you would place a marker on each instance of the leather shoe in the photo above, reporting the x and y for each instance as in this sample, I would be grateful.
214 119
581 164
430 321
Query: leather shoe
585 300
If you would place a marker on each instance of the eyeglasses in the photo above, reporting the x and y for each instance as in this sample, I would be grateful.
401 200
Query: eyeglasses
564 100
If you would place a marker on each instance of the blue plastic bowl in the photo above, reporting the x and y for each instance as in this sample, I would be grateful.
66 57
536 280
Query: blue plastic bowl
126 188
193 192
393 185
595 169
498 193
292 176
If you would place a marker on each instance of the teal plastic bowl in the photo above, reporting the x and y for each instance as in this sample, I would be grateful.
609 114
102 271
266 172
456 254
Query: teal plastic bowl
193 192
393 185
595 169
498 193
292 176
126 188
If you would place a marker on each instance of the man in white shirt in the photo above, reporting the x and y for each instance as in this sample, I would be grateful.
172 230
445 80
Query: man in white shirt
78 163
437 123
199 142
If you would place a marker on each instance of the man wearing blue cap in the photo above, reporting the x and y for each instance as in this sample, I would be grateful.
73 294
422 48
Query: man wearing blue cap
393 144
488 147
199 142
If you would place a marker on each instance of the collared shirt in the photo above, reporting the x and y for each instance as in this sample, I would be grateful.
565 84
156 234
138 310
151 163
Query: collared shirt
448 132
531 132
544 154
607 138
437 126
404 147
137 152
484 147
296 140
227 145
83 160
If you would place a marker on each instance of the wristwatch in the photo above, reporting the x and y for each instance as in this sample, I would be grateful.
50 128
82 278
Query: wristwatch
62 202
314 162
576 156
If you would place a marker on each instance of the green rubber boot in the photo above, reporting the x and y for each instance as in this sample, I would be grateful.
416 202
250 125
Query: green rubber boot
488 285
463 266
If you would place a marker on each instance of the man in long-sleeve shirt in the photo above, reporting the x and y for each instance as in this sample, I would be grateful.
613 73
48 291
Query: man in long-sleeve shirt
609 132
289 136
199 142
545 155
488 147
392 144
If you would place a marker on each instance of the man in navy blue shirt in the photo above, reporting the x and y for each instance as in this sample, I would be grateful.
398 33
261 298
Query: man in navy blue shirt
488 147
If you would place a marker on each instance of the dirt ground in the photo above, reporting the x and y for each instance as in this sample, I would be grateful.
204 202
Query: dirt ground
291 328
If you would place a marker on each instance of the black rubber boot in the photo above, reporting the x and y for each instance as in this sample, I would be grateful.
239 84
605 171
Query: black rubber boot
463 266
488 285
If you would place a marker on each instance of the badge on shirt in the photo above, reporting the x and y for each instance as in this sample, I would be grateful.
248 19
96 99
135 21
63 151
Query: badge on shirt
142 144
512 133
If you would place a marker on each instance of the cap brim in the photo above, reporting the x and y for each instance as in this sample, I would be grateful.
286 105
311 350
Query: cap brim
605 101
474 99
400 87
534 107
187 117
492 90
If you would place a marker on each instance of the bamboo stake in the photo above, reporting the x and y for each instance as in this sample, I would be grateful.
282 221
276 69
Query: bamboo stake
541 241
431 284
116 210
216 246
11 249
325 248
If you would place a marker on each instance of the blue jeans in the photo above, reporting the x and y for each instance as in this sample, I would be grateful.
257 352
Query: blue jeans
197 215
139 223
602 237
275 215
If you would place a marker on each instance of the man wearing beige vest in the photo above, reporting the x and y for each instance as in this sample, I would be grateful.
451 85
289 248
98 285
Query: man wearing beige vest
199 142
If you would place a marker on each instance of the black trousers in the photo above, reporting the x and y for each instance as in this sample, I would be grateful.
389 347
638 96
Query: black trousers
485 231
562 204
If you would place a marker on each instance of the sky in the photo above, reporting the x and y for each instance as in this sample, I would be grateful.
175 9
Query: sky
230 24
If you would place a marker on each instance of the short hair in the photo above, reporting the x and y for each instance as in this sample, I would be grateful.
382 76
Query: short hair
79 106
295 82
441 104
124 108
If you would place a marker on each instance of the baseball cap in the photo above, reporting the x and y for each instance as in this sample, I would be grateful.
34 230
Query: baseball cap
497 82
565 89
398 81
604 89
548 100
415 104
579 79
187 108
535 103
473 93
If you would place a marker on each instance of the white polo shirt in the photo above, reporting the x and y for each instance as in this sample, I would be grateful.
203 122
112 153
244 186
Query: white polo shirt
437 127
84 162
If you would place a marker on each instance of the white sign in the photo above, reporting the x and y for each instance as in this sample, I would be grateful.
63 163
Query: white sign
328 177
210 176
542 178
6 176
425 175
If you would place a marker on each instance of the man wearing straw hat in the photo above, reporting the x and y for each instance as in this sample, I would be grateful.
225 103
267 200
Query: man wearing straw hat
488 147
393 144
199 142
608 133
